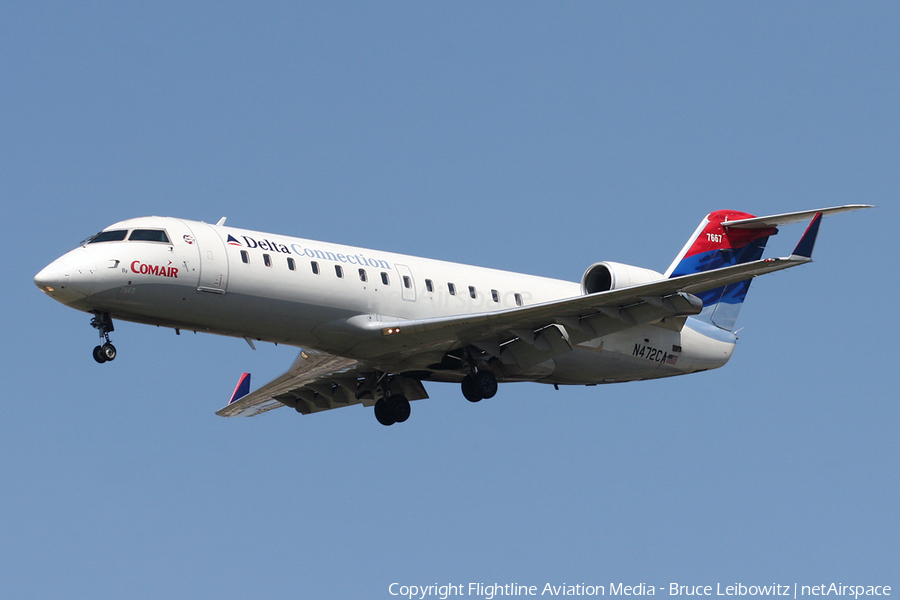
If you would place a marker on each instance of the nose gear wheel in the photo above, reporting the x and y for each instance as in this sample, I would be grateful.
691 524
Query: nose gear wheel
104 353
102 322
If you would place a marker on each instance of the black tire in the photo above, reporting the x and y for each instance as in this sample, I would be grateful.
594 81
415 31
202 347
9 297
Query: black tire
470 389
98 355
383 412
399 406
485 384
109 351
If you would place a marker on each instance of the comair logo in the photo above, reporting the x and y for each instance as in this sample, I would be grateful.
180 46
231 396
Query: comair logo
145 269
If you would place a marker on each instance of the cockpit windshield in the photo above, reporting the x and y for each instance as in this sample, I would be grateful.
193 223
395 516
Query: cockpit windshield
148 235
116 235
137 235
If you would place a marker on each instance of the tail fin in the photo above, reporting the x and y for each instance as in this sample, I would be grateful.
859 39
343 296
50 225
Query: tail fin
715 245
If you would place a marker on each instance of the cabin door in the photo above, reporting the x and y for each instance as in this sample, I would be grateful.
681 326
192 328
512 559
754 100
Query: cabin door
213 260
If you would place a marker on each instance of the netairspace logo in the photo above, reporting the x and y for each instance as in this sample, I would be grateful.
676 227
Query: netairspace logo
490 591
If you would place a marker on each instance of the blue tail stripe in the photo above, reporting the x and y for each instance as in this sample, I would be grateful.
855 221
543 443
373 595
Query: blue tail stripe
721 305
716 259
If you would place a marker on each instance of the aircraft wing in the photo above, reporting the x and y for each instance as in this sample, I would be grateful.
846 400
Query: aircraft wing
561 323
319 380
519 337
529 335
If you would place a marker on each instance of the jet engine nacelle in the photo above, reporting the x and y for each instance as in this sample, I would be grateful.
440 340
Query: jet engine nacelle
604 276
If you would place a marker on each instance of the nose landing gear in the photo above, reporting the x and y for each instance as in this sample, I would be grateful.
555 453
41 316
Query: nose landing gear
102 322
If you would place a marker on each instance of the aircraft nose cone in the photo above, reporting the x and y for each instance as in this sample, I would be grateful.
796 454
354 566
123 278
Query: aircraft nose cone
53 278
69 278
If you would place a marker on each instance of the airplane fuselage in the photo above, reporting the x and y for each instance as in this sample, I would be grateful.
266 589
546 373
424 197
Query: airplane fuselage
274 288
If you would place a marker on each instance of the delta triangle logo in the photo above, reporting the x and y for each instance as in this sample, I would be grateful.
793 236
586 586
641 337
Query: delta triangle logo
232 241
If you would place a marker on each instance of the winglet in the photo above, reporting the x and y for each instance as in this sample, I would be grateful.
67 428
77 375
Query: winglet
242 388
805 245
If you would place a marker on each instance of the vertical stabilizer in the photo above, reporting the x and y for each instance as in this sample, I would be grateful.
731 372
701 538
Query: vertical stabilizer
714 246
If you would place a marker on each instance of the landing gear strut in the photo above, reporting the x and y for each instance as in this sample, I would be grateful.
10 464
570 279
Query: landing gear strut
102 322
479 385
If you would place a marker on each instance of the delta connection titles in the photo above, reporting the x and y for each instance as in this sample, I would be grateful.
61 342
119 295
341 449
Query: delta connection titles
490 591
270 246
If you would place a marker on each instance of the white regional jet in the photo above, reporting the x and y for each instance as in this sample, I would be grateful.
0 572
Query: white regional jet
373 325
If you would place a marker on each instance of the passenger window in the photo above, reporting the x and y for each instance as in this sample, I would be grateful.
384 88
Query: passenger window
291 264
108 236
148 235
519 300
267 260
429 285
362 275
495 295
472 291
315 267
245 257
407 282
384 278
452 288
339 270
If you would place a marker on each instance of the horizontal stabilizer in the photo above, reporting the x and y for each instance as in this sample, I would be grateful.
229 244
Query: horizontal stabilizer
793 217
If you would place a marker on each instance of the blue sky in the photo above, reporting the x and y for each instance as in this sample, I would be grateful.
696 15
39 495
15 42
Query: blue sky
534 137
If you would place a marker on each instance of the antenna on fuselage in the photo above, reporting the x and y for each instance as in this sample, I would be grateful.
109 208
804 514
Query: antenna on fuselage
221 221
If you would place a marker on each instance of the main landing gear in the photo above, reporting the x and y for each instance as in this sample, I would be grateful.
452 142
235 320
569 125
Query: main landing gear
393 409
103 323
392 406
479 385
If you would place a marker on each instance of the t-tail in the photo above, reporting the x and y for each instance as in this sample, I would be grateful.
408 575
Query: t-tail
714 246
726 238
